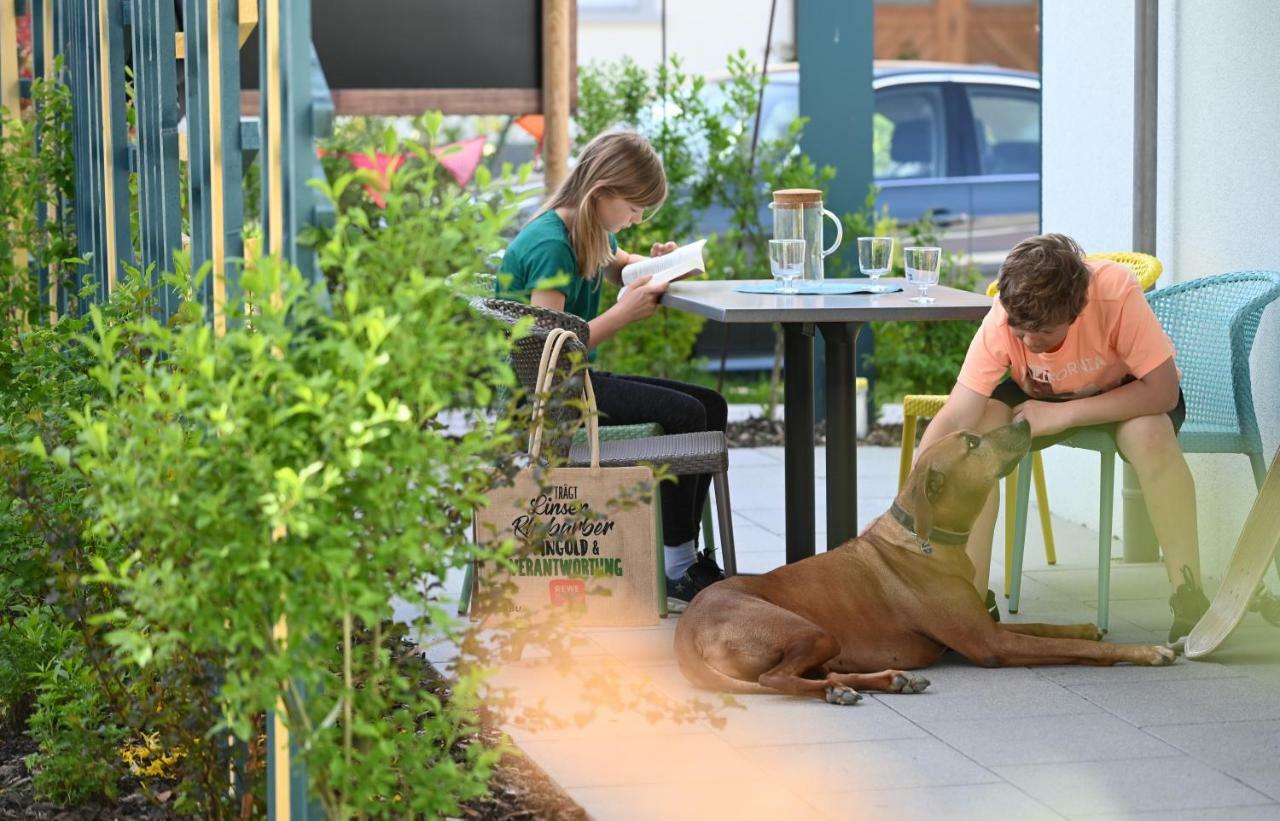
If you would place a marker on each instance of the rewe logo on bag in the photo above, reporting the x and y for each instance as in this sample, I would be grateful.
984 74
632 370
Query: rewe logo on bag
568 591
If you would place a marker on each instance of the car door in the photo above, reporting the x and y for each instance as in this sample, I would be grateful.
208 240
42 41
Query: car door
1005 122
918 167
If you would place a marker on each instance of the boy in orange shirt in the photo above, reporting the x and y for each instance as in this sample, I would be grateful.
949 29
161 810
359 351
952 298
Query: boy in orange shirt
1069 344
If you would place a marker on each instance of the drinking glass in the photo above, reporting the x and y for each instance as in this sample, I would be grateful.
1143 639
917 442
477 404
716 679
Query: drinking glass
786 262
875 255
922 263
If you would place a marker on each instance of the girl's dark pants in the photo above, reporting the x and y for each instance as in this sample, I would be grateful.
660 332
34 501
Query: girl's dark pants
679 408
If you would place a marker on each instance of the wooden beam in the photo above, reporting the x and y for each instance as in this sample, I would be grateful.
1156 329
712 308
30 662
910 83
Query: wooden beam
8 57
557 25
414 101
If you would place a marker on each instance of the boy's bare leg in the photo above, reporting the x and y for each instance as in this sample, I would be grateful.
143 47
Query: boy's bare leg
1151 446
994 414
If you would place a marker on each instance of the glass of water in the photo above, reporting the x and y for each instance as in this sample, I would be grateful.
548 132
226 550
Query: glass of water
786 262
875 255
922 264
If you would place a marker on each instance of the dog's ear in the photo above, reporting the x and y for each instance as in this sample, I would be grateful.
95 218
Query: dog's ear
926 491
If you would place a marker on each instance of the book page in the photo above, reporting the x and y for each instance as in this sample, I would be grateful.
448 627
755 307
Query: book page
684 261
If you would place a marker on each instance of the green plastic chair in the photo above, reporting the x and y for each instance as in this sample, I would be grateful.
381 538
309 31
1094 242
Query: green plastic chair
1212 322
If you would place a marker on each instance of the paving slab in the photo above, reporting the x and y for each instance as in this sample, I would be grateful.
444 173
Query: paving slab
1130 785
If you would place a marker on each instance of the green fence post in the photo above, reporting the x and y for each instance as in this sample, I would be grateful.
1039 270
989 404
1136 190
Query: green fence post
96 45
214 175
156 100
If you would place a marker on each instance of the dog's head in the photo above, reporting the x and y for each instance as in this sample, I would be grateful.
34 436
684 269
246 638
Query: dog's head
952 478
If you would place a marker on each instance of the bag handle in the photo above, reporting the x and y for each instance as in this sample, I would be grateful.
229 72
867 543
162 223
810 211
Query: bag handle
551 349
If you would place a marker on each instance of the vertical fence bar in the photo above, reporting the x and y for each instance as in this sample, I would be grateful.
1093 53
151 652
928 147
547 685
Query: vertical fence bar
9 87
156 99
295 109
95 37
10 101
115 176
42 67
213 148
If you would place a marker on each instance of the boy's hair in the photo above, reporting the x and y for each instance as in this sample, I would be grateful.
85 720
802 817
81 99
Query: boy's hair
615 164
1044 282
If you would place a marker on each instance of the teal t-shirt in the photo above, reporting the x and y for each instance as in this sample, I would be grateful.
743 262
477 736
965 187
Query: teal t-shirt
542 251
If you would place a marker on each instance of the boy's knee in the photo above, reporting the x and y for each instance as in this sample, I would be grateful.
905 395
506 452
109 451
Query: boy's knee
1145 439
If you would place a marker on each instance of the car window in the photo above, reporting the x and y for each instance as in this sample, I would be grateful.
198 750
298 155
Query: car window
907 133
1007 125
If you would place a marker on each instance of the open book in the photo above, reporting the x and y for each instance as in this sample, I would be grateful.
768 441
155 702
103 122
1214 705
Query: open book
683 262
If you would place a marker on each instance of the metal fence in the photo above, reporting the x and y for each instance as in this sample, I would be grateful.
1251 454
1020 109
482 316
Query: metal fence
181 59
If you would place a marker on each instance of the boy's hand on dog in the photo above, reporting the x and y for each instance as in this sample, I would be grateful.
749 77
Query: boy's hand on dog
1045 418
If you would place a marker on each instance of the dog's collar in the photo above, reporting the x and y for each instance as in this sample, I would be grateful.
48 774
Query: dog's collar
937 534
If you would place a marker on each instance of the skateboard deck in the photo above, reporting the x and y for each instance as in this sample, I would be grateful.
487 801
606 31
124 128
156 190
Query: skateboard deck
1253 555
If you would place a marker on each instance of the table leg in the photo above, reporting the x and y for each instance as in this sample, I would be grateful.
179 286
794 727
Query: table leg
798 430
842 444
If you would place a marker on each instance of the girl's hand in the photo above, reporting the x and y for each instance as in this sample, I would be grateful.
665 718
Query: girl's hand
1045 418
641 299
661 249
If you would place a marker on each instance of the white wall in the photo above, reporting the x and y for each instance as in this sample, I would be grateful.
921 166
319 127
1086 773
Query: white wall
1218 184
1087 177
702 33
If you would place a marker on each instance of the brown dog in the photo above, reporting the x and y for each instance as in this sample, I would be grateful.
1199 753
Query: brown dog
885 602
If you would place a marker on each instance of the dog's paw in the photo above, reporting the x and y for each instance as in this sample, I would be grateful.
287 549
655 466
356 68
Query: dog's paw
1162 656
906 682
838 694
1092 633
1178 647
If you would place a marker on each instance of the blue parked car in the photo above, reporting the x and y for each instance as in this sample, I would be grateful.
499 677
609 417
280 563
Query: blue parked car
962 141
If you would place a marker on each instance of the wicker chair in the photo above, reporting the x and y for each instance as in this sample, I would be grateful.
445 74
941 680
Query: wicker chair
681 454
924 405
1215 382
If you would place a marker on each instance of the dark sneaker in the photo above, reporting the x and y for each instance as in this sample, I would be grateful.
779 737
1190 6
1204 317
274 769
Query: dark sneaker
703 573
993 609
1188 604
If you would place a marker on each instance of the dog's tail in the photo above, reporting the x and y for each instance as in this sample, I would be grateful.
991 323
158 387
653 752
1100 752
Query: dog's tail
695 667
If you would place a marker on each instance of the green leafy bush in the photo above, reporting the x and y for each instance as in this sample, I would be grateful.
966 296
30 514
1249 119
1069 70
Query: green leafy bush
30 638
292 472
33 182
76 734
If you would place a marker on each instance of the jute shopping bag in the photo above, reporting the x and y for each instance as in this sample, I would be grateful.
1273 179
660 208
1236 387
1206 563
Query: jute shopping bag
586 536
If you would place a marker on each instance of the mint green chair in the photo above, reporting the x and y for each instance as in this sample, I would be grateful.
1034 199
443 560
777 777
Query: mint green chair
1212 321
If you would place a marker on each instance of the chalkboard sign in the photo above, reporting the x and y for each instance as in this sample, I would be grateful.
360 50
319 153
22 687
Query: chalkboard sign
407 56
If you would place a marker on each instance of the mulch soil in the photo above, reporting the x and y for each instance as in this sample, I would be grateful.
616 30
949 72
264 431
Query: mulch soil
17 793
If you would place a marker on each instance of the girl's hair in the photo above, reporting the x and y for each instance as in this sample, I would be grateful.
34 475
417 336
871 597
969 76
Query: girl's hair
615 164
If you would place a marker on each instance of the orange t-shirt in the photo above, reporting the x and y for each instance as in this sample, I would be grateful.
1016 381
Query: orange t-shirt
1116 337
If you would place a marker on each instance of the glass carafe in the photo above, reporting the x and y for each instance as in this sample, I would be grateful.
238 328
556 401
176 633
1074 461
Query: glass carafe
798 214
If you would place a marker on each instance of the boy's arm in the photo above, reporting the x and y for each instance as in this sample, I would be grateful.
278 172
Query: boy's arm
963 411
1153 394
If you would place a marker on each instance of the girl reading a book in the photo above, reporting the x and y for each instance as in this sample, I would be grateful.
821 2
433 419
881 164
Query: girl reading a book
559 259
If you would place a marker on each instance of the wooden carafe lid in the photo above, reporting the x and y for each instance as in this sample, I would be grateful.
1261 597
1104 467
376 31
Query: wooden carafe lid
795 197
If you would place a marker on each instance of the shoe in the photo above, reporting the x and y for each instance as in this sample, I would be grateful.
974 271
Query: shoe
993 609
703 573
1188 604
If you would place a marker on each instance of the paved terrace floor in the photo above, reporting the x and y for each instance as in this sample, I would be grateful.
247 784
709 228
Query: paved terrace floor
1198 740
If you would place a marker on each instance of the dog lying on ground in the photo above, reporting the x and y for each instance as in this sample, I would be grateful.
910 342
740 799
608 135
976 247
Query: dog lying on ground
892 600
